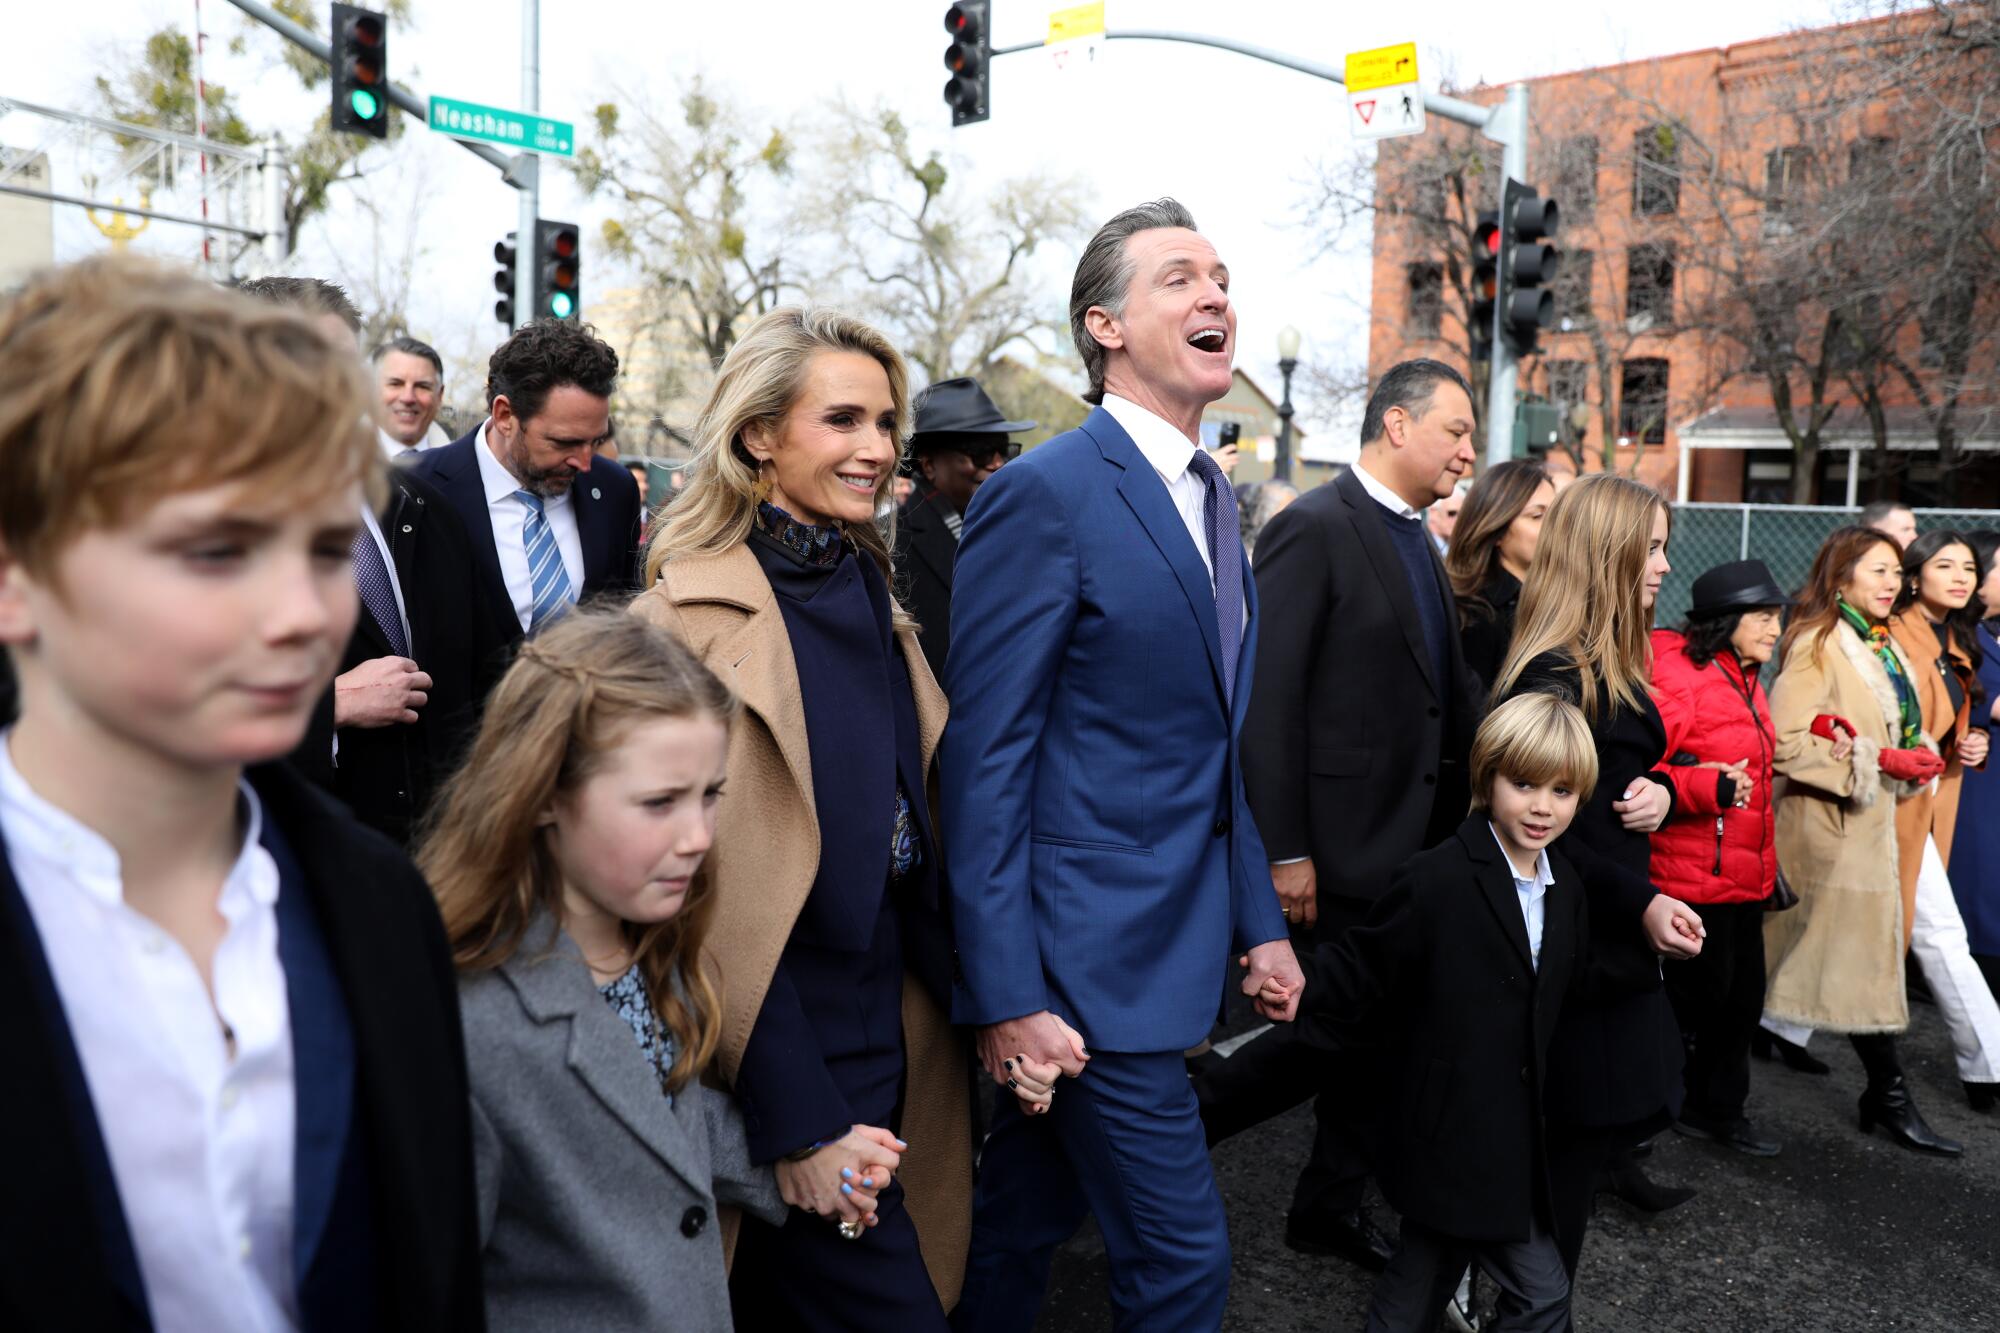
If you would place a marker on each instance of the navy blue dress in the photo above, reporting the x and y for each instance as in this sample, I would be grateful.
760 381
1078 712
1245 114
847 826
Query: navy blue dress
1975 845
826 1051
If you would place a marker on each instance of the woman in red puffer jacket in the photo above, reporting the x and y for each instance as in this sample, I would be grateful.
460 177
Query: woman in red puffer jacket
1717 850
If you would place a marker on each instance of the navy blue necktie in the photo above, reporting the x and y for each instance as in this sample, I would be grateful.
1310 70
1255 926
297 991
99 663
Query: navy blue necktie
1225 553
371 580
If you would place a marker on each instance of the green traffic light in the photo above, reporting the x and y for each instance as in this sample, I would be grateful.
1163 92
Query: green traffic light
364 104
562 305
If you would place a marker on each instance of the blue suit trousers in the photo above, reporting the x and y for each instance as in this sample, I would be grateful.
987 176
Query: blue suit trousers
1123 1142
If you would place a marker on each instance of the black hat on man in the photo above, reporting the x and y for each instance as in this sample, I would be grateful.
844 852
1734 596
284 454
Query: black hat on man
1740 585
957 407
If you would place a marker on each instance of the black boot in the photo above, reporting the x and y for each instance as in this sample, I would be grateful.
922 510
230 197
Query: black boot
1982 1097
1622 1179
1888 1103
1766 1045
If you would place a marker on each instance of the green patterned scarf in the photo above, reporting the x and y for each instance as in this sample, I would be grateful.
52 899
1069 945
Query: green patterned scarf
1876 636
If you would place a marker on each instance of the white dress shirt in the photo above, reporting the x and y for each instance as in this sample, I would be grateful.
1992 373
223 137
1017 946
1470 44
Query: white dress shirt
1532 893
509 519
200 1141
1385 497
1170 452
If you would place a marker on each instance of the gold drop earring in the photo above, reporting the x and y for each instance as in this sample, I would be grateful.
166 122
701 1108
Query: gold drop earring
760 489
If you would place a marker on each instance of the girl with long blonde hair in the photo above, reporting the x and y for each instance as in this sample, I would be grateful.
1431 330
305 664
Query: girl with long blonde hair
1582 632
567 858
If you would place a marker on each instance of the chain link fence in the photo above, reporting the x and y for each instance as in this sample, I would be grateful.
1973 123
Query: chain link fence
1785 537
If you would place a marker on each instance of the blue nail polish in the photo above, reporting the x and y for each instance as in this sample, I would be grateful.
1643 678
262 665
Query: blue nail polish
868 1182
902 1143
846 1173
846 1189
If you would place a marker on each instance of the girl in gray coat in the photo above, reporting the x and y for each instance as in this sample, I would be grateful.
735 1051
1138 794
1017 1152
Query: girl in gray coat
566 857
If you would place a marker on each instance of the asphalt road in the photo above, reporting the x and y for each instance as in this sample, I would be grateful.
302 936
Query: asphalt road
1838 1232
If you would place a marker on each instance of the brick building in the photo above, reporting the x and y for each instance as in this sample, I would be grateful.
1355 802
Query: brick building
1738 258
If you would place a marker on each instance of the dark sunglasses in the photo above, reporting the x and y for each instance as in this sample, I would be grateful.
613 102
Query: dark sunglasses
992 455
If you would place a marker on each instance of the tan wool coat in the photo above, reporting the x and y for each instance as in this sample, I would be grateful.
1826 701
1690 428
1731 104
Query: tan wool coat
1835 961
766 855
1934 809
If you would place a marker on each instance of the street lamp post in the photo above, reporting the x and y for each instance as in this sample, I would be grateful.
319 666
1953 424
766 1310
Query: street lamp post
1288 361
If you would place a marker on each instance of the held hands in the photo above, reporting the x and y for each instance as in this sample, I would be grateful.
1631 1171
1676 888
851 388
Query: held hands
1645 805
1672 927
1027 1055
1833 727
1975 747
1275 980
844 1179
379 693
1911 765
1298 891
1739 773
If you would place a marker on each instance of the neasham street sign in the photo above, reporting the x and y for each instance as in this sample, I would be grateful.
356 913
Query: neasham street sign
1383 96
512 129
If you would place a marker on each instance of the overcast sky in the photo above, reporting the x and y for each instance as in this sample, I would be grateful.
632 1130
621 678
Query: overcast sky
1232 138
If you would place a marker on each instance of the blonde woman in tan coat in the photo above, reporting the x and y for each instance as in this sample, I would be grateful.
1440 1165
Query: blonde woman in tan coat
1850 744
829 931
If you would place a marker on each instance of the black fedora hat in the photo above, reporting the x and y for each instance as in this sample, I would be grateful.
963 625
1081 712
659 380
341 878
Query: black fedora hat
960 407
1739 585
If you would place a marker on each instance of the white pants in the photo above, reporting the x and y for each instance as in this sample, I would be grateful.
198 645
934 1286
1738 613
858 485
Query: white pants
1964 1001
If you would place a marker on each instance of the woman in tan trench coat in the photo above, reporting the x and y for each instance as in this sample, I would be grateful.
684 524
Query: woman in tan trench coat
829 935
1848 747
1938 579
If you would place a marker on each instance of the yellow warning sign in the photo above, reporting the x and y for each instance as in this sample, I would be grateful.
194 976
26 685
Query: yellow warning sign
1381 68
1066 25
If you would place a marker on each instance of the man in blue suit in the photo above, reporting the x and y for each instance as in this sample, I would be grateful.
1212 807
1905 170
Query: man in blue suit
1104 866
551 522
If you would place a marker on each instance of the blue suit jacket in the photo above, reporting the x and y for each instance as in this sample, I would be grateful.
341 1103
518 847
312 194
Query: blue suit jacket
1103 862
607 524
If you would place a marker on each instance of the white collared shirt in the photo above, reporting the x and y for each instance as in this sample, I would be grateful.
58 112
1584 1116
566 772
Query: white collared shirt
200 1142
1170 452
1383 496
509 518
1533 893
393 449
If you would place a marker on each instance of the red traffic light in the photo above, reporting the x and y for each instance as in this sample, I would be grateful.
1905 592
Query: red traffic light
962 23
563 244
365 33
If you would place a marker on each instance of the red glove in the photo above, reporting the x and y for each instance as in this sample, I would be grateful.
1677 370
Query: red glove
1911 765
1824 725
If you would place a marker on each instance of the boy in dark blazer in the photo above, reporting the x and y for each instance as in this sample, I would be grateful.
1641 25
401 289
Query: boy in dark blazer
236 1086
1456 980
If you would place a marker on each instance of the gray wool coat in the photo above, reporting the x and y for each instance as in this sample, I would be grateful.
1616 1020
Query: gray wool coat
597 1199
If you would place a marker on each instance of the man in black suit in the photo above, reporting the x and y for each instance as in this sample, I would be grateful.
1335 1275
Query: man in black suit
1354 749
387 731
551 522
960 441
407 698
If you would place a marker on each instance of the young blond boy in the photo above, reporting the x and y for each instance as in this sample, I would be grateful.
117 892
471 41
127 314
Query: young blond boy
1456 981
236 1091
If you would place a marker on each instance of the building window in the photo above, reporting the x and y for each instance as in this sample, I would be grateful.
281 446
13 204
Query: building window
1642 400
1425 312
1576 177
1649 282
1656 176
1785 171
1573 274
1870 160
1569 389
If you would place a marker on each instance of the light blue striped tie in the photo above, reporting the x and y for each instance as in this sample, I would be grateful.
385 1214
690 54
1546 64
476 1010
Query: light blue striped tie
546 574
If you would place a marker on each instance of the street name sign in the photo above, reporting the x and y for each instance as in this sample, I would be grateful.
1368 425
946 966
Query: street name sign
511 129
1384 98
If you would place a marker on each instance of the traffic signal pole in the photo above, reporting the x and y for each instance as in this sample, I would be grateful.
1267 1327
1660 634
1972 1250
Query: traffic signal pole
1505 124
529 172
1504 370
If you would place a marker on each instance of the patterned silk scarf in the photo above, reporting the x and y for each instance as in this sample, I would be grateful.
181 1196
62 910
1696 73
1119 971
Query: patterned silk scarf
1876 636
